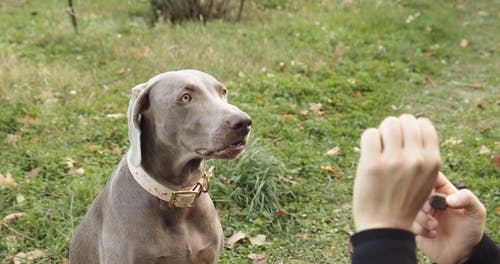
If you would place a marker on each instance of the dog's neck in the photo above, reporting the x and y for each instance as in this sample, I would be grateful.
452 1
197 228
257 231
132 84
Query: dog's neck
166 164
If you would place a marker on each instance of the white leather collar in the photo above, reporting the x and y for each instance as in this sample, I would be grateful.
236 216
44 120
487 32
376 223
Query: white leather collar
185 197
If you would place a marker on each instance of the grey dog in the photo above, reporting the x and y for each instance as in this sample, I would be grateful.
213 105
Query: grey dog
155 207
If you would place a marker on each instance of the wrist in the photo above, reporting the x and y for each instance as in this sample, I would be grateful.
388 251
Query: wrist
382 224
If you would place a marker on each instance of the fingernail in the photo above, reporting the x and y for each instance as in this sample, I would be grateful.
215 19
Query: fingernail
452 199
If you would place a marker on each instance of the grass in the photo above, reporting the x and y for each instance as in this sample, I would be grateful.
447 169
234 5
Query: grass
361 60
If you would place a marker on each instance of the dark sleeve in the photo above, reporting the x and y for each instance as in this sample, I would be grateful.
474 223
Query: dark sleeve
485 252
384 246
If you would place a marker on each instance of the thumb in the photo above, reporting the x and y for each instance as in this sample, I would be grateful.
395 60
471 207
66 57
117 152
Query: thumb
465 199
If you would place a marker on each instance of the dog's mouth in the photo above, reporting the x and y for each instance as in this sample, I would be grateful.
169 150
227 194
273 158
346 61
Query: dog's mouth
227 152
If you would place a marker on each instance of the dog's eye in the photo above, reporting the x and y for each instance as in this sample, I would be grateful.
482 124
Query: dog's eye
185 98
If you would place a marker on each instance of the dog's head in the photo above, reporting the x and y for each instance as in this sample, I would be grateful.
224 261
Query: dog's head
190 114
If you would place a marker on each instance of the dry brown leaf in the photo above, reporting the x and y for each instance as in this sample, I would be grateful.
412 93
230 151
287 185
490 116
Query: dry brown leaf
475 86
464 43
460 184
335 151
70 163
357 95
7 181
257 258
428 53
484 150
288 117
316 108
64 261
235 237
346 230
451 142
301 237
80 171
27 120
116 150
330 170
281 67
20 199
120 72
22 257
33 172
12 217
116 116
11 138
497 210
136 53
496 160
347 205
280 212
427 79
259 240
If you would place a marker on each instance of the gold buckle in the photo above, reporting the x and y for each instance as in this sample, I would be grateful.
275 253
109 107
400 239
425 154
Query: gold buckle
202 186
194 196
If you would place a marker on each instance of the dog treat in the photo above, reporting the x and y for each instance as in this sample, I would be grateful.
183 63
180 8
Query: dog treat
438 202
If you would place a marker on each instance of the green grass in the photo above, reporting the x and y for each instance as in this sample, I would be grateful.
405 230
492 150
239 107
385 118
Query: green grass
360 59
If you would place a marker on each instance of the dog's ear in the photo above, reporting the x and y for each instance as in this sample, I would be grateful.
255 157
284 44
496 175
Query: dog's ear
138 99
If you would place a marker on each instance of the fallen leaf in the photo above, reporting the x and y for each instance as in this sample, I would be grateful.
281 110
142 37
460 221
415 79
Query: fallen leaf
120 72
304 112
280 212
80 171
316 108
346 230
70 163
496 160
12 217
464 43
301 237
116 116
33 172
288 117
460 184
427 79
259 240
282 67
335 151
497 210
484 150
11 138
330 170
235 237
475 86
27 120
347 205
64 261
357 95
7 181
451 142
257 258
22 257
428 53
136 53
20 199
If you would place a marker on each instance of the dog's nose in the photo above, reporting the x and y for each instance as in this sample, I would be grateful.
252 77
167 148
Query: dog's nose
240 122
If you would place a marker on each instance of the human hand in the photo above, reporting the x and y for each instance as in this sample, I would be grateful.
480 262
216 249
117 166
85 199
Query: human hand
397 170
449 236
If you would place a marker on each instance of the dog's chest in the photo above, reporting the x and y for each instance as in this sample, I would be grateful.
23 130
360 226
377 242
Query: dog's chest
186 244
